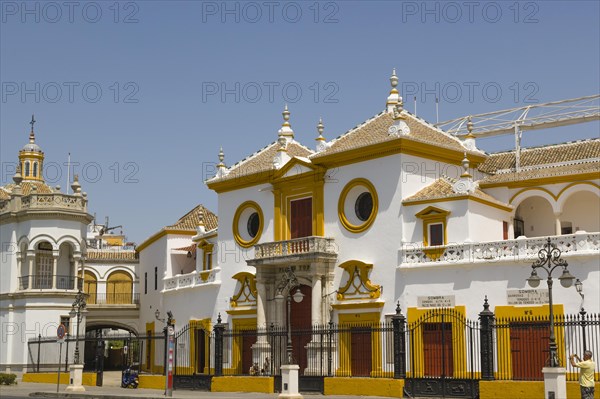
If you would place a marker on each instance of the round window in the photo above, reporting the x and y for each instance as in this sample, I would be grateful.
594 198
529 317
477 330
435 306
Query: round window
363 207
247 224
253 224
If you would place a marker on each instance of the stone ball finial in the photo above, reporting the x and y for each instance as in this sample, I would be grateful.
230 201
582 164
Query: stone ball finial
320 127
470 125
394 79
18 178
286 113
221 155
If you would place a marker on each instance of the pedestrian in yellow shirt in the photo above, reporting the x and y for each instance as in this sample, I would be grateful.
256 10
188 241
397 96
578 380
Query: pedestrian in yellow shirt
586 376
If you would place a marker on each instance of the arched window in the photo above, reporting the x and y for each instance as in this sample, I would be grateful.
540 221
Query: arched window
90 284
35 169
26 168
43 266
119 287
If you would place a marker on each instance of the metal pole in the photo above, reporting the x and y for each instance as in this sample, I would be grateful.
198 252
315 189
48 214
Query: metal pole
289 328
67 352
76 354
553 347
39 347
59 355
583 322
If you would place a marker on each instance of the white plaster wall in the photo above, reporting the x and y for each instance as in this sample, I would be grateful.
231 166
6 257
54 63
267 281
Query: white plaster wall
8 257
538 217
485 222
582 209
153 255
470 283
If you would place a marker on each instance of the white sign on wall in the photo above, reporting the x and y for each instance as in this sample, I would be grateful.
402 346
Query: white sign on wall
436 301
527 297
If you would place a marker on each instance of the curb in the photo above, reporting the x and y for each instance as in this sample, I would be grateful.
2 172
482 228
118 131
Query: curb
87 395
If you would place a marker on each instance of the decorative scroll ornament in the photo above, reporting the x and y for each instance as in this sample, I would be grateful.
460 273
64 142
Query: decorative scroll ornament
246 294
358 285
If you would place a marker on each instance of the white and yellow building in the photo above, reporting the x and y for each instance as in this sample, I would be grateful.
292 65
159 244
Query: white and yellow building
394 210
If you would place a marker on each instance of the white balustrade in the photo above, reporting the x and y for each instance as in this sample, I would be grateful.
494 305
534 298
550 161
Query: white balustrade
296 246
190 280
493 251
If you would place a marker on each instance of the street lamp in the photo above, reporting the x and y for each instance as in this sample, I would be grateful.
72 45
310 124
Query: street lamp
76 309
288 282
549 259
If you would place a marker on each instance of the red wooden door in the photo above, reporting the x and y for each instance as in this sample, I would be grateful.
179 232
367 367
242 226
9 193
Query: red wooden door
360 351
300 321
437 349
301 218
248 339
529 344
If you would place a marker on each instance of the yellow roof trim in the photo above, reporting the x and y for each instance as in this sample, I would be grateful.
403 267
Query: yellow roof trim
543 180
161 233
358 305
459 198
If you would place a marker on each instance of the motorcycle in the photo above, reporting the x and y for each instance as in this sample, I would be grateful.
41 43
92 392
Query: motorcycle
129 378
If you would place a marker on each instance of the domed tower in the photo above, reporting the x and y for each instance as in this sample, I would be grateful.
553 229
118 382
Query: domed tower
31 158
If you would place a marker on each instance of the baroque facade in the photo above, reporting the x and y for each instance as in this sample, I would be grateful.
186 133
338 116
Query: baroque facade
393 212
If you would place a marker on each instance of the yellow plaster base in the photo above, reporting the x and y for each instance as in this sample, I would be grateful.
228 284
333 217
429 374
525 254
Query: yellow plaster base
364 386
89 379
152 381
524 390
243 384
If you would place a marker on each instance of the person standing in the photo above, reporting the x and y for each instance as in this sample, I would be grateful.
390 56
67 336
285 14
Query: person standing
586 376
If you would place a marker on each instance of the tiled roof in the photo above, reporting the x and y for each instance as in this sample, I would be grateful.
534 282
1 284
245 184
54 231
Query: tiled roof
544 171
262 160
375 130
191 220
4 194
189 248
552 154
442 189
26 187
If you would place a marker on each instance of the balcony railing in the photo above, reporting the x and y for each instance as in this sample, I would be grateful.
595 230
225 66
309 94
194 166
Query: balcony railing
44 282
126 298
189 280
493 251
296 246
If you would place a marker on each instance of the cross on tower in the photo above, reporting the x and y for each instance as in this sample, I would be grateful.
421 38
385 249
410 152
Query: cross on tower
32 123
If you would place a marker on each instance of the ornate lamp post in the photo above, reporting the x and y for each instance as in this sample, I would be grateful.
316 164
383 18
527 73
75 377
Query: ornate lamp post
549 260
76 310
287 283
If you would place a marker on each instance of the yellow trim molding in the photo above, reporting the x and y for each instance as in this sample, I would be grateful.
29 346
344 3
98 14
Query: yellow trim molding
358 285
342 202
161 233
346 320
149 360
287 189
236 221
207 249
433 215
206 325
417 316
243 384
247 289
359 305
519 314
543 180
458 198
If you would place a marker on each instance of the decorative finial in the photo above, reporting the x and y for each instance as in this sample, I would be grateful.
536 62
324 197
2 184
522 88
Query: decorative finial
465 164
398 311
286 115
394 97
486 305
470 126
221 168
219 318
286 128
394 79
320 129
76 186
201 217
32 134
17 178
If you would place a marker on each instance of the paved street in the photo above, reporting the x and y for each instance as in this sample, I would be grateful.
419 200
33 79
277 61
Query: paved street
23 390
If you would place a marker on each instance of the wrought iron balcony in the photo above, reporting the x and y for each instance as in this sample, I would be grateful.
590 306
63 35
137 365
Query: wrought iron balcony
298 249
115 298
45 282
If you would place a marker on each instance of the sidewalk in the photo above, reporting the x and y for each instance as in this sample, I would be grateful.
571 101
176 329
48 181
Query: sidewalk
24 389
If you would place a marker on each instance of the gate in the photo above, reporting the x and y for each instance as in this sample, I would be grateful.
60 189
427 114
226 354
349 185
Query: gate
192 358
443 349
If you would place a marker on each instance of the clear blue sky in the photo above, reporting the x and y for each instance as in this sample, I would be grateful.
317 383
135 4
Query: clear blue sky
161 68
